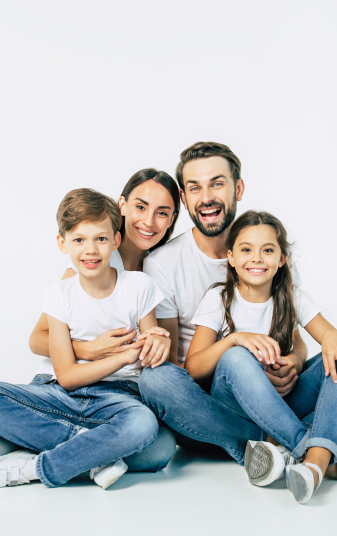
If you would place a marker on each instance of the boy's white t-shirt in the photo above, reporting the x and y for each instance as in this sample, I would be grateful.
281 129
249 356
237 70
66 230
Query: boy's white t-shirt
248 317
116 261
134 296
184 273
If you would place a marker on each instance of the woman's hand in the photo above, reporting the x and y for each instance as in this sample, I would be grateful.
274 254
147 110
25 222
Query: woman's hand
259 344
329 353
110 343
155 350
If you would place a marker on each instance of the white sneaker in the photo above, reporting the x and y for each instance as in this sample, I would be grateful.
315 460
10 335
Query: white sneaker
265 463
300 481
105 475
11 466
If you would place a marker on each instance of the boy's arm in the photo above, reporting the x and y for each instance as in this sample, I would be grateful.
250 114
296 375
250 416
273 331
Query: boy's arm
72 375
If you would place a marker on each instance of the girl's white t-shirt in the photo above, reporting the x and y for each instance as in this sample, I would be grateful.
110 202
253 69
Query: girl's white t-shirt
134 296
248 317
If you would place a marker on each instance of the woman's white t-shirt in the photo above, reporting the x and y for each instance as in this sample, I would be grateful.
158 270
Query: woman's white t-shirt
133 298
248 317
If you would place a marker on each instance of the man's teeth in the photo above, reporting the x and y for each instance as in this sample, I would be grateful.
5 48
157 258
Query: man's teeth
145 233
210 211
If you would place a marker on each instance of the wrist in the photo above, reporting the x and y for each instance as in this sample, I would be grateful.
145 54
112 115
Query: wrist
82 349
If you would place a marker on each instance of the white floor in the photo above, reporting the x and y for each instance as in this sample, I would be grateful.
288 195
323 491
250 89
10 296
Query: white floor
195 495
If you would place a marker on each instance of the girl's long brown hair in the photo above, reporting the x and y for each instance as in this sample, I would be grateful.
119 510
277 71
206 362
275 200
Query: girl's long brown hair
284 314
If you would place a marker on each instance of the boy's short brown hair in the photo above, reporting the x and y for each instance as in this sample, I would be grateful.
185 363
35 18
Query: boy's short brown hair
85 204
206 149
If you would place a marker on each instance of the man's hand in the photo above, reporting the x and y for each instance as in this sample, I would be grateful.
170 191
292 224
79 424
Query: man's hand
284 377
155 351
110 343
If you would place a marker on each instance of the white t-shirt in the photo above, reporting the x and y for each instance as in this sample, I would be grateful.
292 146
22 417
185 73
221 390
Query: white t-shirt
115 261
184 273
134 296
248 317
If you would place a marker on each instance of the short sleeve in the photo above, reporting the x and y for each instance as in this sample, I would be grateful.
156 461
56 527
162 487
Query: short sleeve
210 313
150 296
306 309
52 304
71 266
168 307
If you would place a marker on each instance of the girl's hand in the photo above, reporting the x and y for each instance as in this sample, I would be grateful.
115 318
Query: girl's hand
257 344
329 353
156 330
155 351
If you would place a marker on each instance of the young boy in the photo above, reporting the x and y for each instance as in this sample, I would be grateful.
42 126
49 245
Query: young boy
100 398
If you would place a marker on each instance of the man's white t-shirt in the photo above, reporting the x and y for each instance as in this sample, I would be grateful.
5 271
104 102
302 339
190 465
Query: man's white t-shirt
134 296
184 273
248 317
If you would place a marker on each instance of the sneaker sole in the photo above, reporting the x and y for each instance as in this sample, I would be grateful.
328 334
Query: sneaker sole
260 465
299 486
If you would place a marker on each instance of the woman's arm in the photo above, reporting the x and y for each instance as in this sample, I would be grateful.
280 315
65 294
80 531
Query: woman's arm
326 335
72 375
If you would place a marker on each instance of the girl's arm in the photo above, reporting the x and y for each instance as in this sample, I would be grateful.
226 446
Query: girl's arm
72 375
156 349
204 353
326 335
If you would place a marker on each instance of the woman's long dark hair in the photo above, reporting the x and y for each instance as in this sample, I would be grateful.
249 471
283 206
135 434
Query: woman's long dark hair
284 314
165 180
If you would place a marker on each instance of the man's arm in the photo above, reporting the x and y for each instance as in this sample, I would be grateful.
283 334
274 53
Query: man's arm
171 325
285 377
72 375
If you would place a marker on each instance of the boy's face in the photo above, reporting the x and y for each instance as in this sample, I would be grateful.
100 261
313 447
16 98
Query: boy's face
210 194
89 245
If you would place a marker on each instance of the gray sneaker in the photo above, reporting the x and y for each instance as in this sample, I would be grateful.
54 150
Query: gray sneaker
265 463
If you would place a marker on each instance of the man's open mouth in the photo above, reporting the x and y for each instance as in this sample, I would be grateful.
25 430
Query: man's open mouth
210 214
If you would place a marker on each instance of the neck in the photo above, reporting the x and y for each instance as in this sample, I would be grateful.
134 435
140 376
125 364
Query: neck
132 256
102 286
213 246
255 294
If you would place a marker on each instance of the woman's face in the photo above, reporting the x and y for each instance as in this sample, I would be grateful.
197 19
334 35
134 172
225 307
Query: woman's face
148 214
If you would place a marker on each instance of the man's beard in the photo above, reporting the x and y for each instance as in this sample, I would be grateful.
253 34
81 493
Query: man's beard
212 229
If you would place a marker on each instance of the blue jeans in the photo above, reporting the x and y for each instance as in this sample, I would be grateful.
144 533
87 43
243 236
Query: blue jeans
182 405
241 384
43 416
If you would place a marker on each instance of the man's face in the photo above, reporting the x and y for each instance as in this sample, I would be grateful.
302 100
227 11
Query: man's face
210 194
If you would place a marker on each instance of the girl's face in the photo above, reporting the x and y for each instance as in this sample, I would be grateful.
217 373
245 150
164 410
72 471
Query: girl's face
256 255
148 214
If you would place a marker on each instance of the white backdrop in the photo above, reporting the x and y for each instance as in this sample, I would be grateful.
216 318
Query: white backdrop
92 91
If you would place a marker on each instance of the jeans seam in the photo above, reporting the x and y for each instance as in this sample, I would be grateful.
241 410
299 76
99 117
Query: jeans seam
310 369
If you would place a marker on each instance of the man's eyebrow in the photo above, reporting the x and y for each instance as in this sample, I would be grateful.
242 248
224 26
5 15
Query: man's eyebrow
146 203
210 180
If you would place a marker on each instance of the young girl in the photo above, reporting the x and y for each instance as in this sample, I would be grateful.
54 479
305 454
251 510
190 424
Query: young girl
252 317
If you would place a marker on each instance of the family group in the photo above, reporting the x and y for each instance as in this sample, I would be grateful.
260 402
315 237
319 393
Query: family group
150 342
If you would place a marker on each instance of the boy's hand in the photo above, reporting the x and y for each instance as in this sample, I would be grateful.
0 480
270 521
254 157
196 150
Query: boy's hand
131 355
329 353
260 344
155 351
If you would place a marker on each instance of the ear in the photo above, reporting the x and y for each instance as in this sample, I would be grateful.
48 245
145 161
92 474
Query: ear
122 203
116 241
61 244
183 198
283 260
240 188
230 258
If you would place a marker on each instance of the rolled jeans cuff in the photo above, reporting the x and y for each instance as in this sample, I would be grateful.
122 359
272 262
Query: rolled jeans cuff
40 473
326 444
301 448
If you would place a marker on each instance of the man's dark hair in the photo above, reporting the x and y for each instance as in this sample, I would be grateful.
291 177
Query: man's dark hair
206 149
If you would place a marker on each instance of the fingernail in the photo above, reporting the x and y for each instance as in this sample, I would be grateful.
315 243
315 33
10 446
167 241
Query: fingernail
335 381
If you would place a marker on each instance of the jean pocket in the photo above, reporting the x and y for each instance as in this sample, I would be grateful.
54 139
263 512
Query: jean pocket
41 379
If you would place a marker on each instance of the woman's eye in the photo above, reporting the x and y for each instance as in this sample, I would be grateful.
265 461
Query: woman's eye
141 207
161 213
